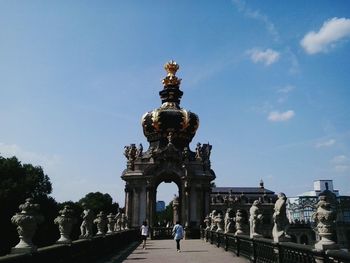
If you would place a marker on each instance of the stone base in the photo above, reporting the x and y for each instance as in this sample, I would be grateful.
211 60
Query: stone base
23 250
326 245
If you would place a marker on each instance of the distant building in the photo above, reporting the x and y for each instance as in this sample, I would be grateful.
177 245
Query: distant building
242 198
160 206
301 208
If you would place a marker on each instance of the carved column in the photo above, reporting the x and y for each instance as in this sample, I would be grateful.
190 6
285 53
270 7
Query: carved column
128 202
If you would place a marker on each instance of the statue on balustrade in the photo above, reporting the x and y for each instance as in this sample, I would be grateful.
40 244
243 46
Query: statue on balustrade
101 223
86 225
213 225
255 219
325 217
118 224
65 222
111 223
280 219
229 221
241 222
26 221
219 223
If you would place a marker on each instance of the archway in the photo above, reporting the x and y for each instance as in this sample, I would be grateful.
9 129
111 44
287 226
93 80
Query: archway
165 215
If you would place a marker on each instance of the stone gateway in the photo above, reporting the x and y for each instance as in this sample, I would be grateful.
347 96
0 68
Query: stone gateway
169 130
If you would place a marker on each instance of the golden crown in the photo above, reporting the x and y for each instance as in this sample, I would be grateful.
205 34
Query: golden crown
171 80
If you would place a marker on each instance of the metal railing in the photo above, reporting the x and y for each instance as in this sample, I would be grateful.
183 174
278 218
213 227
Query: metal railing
263 250
161 232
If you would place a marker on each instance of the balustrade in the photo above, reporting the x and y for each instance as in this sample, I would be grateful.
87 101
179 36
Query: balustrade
261 250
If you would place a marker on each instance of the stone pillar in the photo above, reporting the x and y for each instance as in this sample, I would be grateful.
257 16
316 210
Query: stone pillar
187 190
175 210
26 221
65 222
128 202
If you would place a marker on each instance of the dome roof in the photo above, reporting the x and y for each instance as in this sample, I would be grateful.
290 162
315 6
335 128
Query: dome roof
170 122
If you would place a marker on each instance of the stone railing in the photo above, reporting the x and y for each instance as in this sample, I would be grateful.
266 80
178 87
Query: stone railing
82 250
268 251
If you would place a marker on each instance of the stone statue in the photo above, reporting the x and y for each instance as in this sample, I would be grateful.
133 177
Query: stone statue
213 225
280 219
255 219
118 225
229 221
65 222
207 222
101 223
26 221
241 222
185 154
86 225
219 223
126 152
123 221
324 218
199 151
139 151
111 223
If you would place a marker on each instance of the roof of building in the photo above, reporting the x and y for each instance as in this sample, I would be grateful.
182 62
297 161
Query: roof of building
240 190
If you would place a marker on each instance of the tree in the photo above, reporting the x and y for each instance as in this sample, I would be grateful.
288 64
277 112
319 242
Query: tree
100 202
18 182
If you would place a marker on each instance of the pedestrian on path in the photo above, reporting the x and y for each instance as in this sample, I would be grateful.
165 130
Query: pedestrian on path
178 233
144 233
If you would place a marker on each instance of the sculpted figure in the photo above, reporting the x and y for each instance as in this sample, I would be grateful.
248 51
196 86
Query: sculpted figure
139 150
219 223
229 221
199 151
118 224
213 225
255 219
111 223
241 222
280 219
86 225
207 222
101 223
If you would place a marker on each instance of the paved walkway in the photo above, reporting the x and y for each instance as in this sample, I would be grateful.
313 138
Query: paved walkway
192 251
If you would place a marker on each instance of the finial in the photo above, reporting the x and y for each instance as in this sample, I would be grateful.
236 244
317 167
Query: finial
261 183
171 68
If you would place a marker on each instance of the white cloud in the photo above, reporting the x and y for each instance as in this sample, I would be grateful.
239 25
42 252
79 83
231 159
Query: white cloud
328 143
258 16
286 89
332 31
47 162
341 163
339 159
267 57
280 116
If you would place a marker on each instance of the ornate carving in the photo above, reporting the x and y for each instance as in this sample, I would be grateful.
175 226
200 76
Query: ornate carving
229 221
65 222
171 80
281 223
241 222
86 225
219 223
118 224
255 219
139 151
26 221
111 223
101 223
325 218
130 152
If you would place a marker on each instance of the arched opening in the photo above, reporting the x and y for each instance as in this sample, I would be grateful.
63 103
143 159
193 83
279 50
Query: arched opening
166 192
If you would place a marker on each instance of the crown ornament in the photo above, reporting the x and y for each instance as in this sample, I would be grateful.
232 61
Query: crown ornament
171 80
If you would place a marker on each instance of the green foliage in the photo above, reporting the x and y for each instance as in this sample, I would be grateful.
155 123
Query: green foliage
162 218
18 182
100 202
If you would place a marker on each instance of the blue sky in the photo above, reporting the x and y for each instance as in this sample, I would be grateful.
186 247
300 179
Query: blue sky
268 79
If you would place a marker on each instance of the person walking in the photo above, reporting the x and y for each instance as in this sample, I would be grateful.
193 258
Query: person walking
144 233
178 233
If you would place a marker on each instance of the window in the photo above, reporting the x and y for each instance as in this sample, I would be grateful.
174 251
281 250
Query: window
308 211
